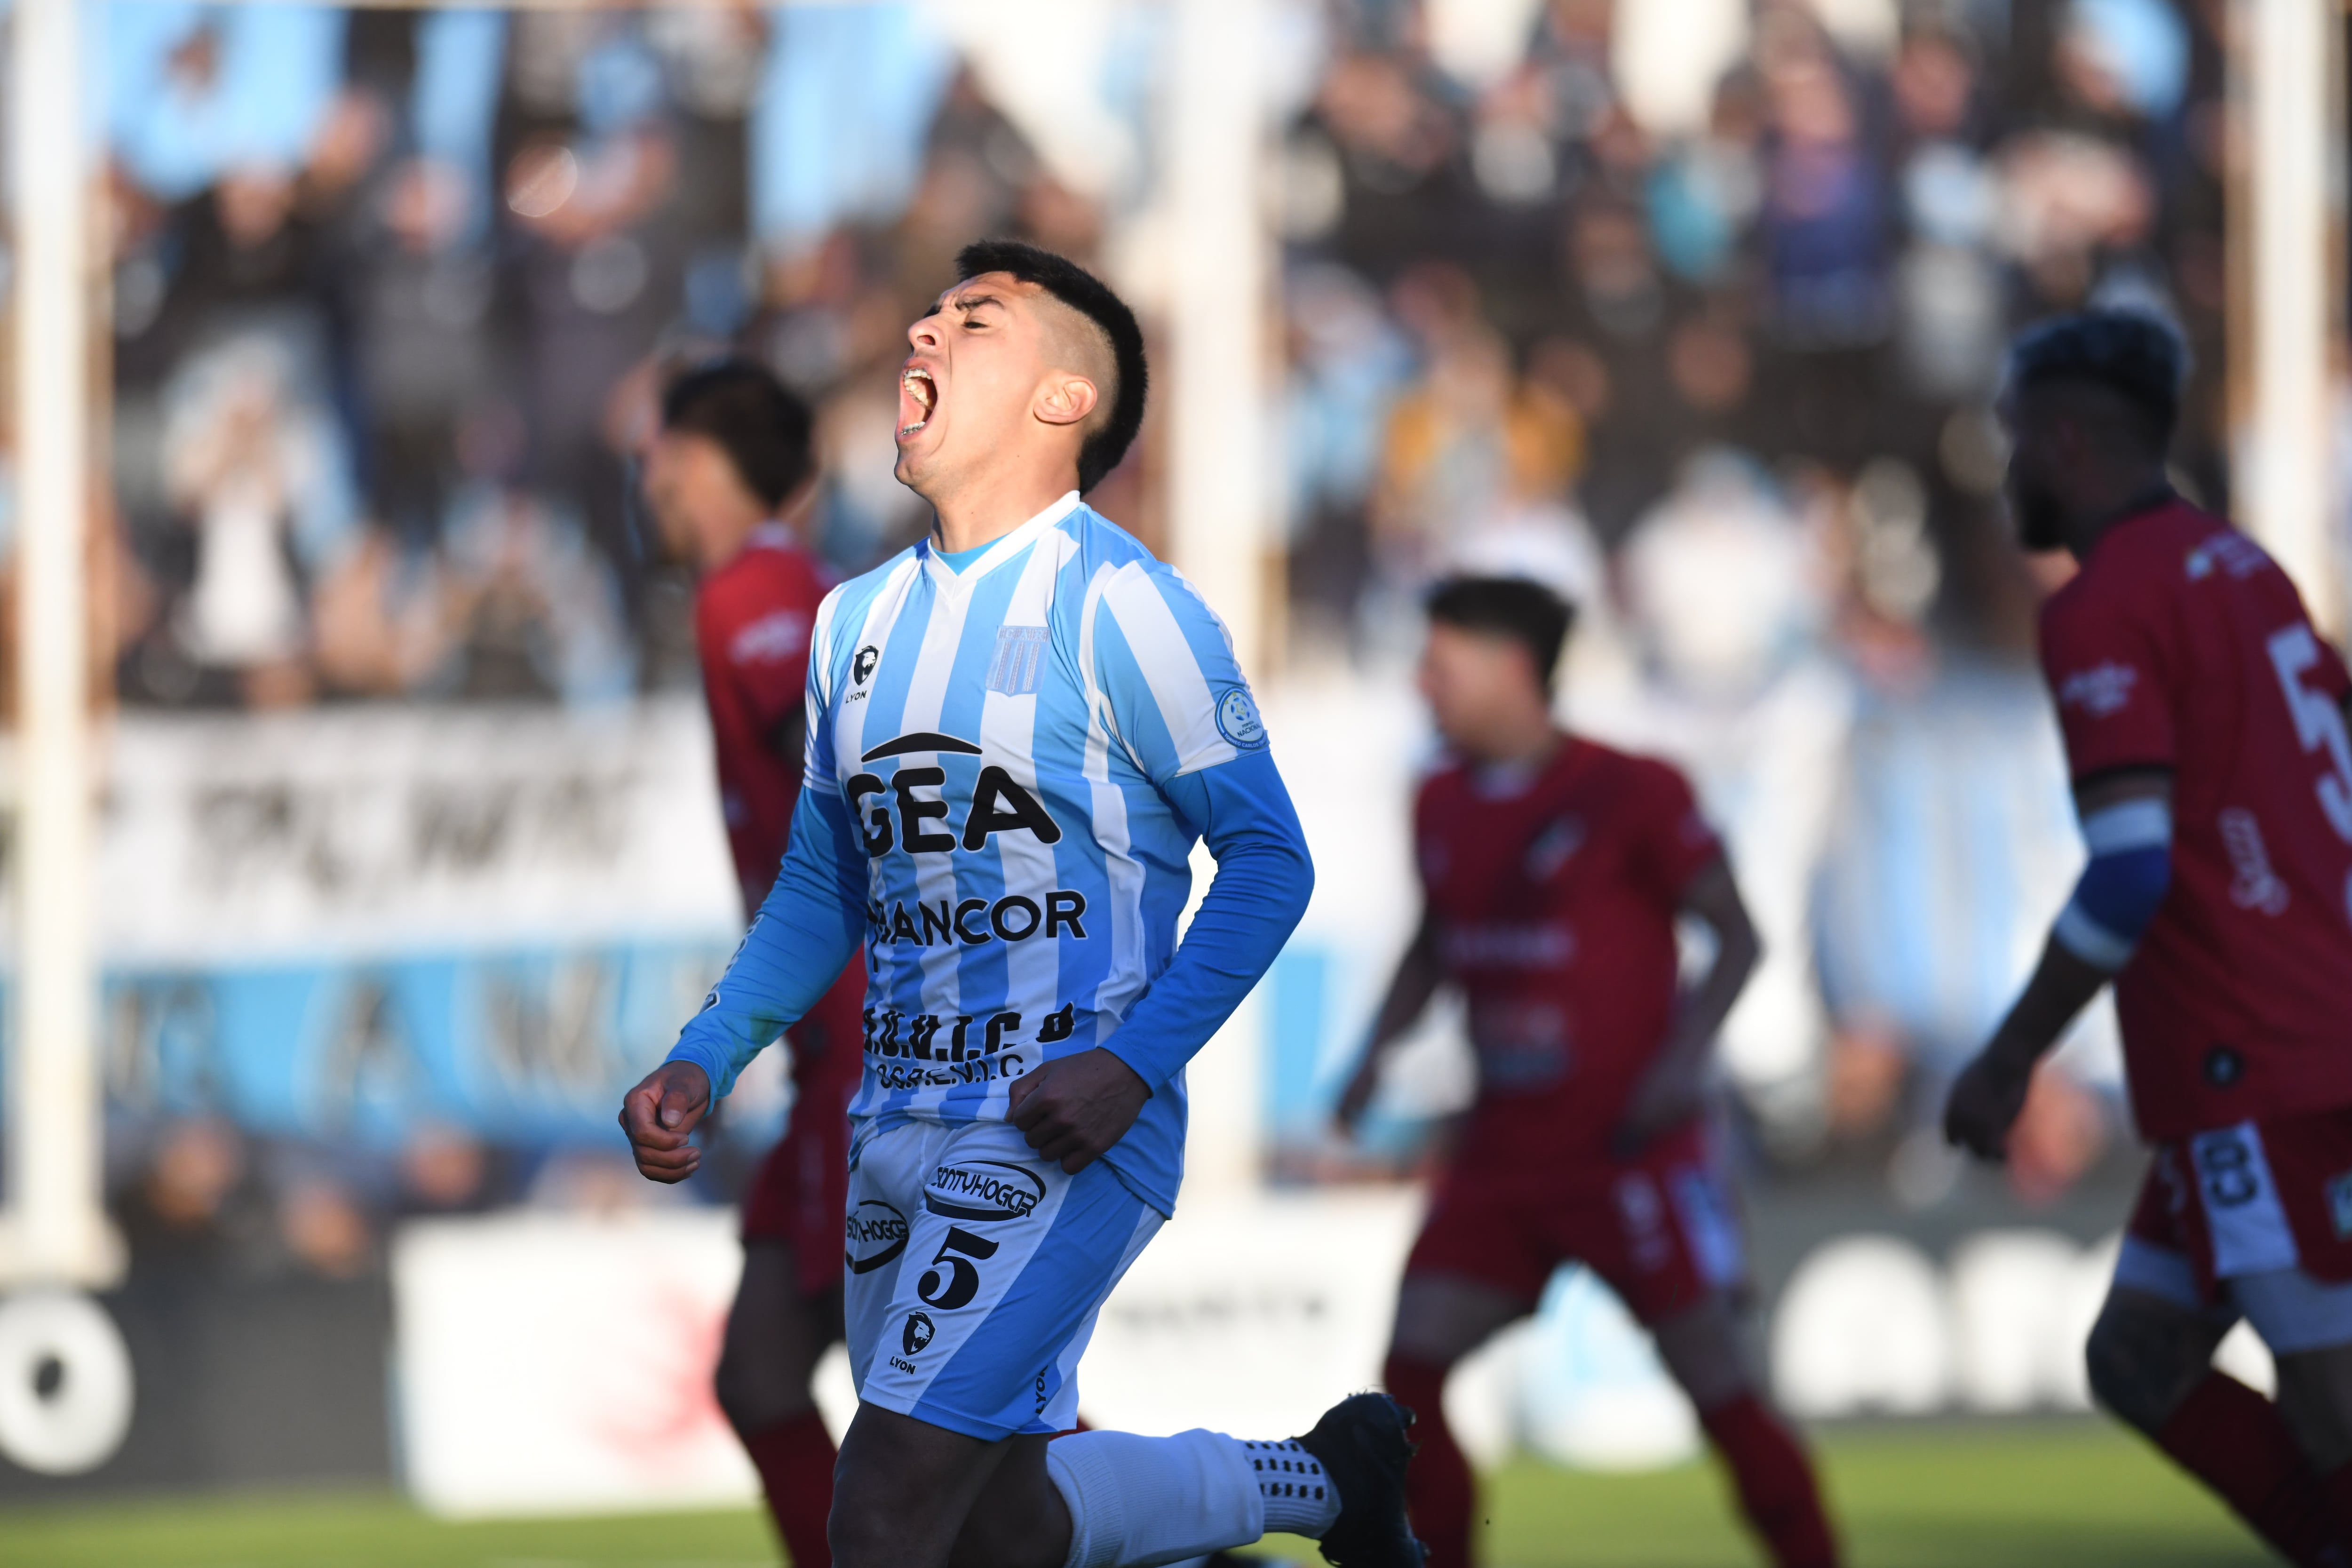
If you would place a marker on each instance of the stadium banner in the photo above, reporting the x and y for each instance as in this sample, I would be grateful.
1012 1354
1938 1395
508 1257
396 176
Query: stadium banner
550 1363
335 922
562 1363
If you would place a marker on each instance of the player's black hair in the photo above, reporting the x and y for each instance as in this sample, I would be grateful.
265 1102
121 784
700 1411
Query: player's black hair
2136 355
1090 296
1525 611
762 425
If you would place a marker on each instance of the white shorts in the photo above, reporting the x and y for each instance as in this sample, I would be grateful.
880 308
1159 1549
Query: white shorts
2213 1233
973 1274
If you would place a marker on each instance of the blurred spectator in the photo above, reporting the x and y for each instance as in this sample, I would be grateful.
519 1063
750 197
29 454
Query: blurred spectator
1467 441
254 468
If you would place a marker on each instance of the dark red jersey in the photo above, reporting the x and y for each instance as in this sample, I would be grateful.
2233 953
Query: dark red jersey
2181 645
1554 900
752 622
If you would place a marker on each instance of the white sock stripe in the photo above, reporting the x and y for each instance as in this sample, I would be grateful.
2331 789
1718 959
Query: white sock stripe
1137 1502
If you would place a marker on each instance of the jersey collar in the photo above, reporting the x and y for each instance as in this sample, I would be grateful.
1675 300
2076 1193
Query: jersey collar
948 580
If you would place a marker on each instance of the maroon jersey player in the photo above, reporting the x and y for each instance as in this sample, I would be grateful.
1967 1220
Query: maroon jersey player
731 463
2204 721
1553 872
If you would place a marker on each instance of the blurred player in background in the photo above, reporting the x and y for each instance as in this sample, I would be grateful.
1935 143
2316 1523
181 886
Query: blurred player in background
1554 870
1023 723
2204 721
726 476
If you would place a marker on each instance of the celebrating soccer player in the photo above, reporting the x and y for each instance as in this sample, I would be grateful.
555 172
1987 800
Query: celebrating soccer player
2204 721
731 463
1553 872
1017 730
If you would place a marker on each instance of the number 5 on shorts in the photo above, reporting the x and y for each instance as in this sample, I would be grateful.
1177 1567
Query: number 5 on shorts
962 1280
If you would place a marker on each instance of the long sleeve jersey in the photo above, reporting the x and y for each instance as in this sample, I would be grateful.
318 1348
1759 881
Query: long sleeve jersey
1008 767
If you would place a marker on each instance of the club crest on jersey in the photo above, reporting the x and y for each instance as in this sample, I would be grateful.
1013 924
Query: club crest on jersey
2100 690
1237 719
1553 847
861 667
917 1333
876 1234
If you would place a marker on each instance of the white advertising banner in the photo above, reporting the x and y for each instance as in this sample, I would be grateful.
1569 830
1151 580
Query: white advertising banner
557 1364
561 1364
379 830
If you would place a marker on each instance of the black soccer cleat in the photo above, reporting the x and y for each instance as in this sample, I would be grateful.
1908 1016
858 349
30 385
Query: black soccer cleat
1362 1444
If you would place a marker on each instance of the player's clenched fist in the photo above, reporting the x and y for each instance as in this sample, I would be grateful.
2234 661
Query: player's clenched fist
659 1116
1075 1108
1985 1101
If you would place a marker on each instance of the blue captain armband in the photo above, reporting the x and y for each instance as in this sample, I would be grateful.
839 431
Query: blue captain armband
2124 885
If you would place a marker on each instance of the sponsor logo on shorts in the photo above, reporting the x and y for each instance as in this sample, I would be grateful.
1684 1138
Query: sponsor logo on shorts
877 1236
1643 1214
917 1333
984 1189
2339 1205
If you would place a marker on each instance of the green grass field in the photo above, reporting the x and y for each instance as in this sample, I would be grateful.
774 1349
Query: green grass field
2071 1493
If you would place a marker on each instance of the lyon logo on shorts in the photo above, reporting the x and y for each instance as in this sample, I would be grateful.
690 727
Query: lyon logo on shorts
918 1333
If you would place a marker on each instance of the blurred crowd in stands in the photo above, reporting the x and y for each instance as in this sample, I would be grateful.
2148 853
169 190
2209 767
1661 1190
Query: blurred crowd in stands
1701 321
390 289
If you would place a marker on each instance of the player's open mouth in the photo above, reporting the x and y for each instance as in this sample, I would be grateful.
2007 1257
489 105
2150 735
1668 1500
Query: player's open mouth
918 395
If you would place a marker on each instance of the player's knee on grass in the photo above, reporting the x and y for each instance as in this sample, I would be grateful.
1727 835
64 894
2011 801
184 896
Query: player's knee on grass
774 1338
2144 1355
2315 1395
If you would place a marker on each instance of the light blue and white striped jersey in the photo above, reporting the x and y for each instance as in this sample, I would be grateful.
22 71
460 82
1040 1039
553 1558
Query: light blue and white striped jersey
1005 777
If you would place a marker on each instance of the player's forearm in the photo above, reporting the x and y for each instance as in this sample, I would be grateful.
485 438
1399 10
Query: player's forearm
804 933
2062 987
1263 880
1699 1017
2127 827
1418 976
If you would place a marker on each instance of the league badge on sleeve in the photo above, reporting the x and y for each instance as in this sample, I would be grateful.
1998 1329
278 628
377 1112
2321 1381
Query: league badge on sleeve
1237 719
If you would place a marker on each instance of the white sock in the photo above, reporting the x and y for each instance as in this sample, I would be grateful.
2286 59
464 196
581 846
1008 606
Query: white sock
1299 1498
1136 1502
